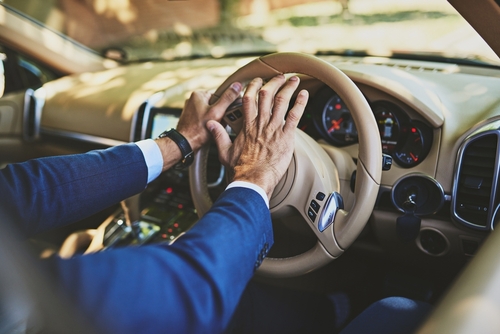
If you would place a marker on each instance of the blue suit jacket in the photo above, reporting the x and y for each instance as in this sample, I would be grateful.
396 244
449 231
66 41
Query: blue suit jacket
190 286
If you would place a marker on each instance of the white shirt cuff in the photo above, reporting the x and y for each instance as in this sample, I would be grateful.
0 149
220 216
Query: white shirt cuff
152 156
243 184
154 162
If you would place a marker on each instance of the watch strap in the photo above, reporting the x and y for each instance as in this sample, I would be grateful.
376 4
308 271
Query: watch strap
184 147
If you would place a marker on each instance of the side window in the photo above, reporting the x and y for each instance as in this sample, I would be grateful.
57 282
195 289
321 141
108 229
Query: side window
22 72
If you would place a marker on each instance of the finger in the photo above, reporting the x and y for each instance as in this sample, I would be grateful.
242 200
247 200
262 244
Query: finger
266 97
282 100
229 96
222 140
294 115
249 100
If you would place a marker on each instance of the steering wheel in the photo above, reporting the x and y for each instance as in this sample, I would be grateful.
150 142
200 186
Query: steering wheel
311 173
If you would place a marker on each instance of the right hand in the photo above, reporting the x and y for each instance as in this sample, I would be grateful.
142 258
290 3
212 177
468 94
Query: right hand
263 149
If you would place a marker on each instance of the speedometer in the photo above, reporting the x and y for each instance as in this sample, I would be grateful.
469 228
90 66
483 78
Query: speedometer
335 121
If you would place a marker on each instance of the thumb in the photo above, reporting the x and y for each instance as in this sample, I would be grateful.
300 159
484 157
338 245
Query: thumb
228 97
222 140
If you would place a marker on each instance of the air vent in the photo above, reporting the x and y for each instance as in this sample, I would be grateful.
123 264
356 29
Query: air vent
400 65
477 173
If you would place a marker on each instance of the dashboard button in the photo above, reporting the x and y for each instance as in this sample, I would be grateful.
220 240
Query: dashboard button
311 214
315 206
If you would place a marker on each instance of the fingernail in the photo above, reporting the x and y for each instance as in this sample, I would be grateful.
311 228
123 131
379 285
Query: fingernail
294 78
236 86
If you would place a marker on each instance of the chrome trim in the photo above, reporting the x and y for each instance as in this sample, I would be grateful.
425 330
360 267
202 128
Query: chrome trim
82 137
424 176
332 205
493 217
26 109
38 96
149 103
485 130
219 179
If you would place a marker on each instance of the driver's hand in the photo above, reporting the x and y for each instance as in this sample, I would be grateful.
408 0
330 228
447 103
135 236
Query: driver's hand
197 111
263 149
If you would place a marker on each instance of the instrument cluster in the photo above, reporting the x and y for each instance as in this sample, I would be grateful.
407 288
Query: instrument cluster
408 141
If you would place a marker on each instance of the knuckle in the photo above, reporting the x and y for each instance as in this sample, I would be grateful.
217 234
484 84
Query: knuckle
279 99
246 99
263 93
293 117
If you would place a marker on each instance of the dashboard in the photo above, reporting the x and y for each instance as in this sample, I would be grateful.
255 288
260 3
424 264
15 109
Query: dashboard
407 141
429 116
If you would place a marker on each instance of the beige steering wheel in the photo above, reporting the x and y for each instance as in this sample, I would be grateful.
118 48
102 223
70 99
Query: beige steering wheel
311 171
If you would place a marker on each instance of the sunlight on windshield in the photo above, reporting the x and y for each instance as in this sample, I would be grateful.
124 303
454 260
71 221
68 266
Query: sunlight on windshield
159 29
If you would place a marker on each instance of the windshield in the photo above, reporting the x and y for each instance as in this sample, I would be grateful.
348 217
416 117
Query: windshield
159 29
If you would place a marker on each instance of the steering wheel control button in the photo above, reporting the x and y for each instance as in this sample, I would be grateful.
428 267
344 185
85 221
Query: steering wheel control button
315 206
320 196
333 204
311 214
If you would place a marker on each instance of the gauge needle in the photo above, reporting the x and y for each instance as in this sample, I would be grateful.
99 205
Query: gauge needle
335 125
413 157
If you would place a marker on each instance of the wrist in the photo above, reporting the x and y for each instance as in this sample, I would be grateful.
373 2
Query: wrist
171 148
263 181
193 139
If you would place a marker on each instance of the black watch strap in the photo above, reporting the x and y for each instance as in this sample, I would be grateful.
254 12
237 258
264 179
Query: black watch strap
181 141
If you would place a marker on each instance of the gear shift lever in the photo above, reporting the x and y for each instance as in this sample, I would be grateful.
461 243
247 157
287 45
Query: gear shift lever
132 212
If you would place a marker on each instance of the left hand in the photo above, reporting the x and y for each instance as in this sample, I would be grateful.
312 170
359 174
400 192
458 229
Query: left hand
197 112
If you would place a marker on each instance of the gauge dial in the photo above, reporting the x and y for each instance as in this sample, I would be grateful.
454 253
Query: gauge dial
407 141
388 127
337 121
411 150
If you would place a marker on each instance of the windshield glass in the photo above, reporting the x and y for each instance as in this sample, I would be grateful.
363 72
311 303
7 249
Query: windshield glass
160 29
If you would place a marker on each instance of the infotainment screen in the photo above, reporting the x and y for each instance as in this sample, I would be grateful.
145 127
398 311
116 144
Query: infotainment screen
162 122
162 119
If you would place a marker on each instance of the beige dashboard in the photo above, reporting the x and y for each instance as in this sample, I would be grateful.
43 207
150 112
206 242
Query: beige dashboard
104 108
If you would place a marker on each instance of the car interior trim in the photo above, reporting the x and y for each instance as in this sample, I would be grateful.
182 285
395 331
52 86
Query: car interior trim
220 178
478 135
140 119
81 137
34 100
439 189
438 233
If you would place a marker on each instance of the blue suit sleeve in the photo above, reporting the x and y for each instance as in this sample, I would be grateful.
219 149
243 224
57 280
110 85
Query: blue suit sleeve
49 192
191 286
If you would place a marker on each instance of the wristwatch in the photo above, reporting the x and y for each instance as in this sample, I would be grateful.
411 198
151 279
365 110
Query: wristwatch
186 150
